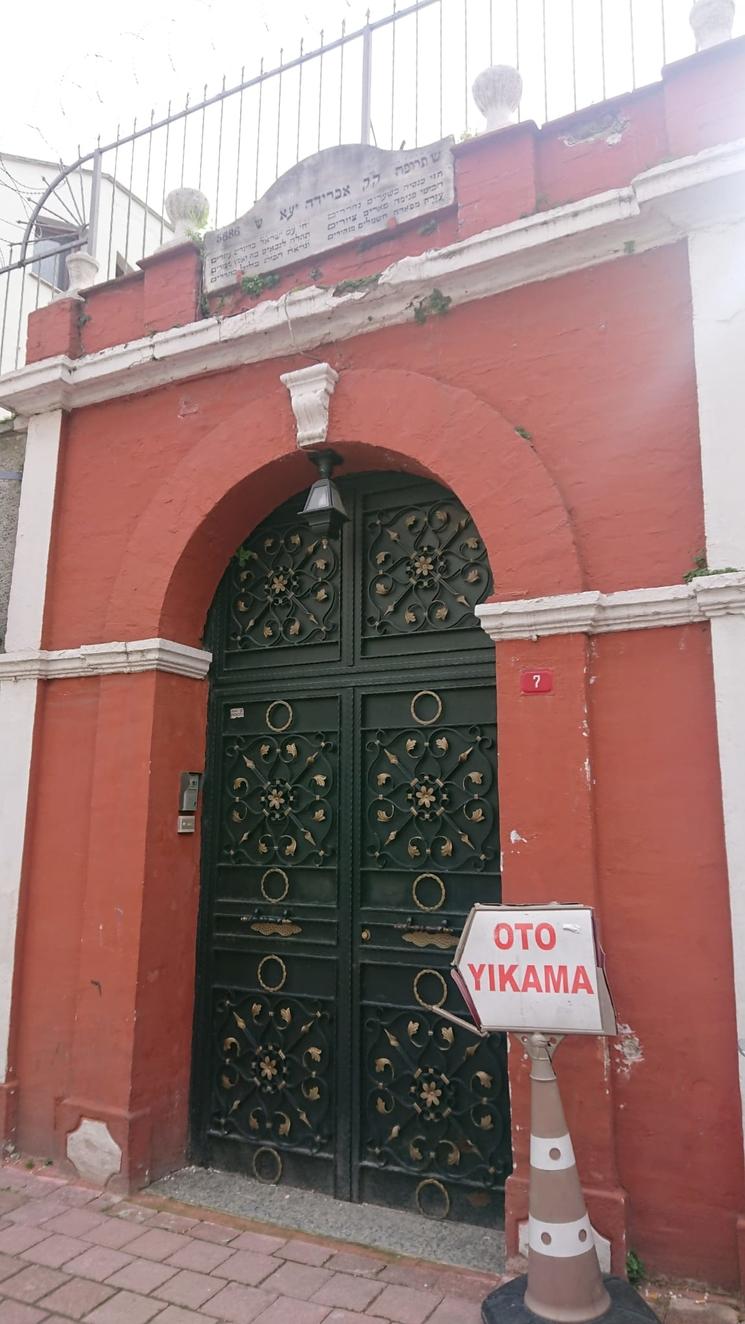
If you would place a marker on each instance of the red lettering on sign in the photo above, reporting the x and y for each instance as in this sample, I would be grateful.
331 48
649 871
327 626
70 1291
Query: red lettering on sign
557 978
531 982
546 979
545 936
524 930
504 941
581 982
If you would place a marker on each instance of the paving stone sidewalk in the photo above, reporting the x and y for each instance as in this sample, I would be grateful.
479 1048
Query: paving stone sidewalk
69 1253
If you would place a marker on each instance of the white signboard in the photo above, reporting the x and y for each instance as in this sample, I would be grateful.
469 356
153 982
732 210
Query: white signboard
533 968
338 196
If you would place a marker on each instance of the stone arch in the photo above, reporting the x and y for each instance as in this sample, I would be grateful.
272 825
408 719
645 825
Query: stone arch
248 464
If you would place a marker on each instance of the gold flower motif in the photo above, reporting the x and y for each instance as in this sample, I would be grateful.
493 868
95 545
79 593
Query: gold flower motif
430 1095
276 799
425 796
268 1068
423 564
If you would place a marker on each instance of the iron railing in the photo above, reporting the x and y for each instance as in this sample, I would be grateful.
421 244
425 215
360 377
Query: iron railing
401 79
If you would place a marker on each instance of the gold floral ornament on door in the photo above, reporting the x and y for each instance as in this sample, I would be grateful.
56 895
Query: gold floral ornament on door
281 801
272 1081
433 794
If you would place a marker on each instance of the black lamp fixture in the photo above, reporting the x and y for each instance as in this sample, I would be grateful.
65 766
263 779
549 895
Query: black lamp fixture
324 509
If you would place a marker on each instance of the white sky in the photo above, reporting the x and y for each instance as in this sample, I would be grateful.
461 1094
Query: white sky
70 74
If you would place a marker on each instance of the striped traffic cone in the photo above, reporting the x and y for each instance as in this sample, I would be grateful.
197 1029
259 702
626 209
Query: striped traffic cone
564 1279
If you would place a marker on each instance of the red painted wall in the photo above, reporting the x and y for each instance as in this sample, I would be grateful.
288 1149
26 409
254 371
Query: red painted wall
597 366
564 415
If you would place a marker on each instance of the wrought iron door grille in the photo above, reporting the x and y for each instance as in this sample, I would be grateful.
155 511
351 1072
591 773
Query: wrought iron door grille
350 824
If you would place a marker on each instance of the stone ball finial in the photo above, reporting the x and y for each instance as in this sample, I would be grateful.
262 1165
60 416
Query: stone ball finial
712 22
497 92
188 211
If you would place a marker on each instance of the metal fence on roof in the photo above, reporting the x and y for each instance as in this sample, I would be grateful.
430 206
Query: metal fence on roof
399 80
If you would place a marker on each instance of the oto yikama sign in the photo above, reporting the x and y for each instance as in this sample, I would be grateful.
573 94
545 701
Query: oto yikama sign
535 968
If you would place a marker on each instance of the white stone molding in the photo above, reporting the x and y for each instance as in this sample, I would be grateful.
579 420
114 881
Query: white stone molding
18 701
93 1151
105 660
187 210
659 207
609 613
82 269
712 22
310 395
497 92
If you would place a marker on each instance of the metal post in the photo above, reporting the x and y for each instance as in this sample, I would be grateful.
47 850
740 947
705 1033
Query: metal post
95 203
366 81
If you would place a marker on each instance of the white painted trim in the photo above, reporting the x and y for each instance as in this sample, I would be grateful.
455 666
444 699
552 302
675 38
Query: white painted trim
718 295
728 658
18 701
29 582
310 391
106 660
608 613
658 207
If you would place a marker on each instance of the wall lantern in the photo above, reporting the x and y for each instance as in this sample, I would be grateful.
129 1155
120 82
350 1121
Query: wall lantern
324 509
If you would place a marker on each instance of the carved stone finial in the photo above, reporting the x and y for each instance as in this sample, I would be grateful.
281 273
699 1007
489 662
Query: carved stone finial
82 269
712 22
310 392
497 92
188 211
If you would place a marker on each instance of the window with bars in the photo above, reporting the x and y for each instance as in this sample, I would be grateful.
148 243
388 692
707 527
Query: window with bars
50 263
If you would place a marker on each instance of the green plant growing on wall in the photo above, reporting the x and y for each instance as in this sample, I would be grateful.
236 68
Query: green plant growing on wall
635 1271
255 285
700 568
356 284
436 304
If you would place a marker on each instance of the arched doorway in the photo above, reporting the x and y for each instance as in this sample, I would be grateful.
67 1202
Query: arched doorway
350 822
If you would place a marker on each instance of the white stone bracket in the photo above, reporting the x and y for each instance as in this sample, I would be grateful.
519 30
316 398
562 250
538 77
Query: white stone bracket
310 395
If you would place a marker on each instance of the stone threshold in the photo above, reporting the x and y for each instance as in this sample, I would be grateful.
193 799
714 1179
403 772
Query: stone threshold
376 1227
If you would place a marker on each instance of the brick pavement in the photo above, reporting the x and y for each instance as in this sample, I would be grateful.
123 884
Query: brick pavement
67 1252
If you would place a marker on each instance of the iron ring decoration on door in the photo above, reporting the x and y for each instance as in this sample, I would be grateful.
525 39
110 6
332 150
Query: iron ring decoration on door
426 694
267 1179
278 703
262 883
436 879
442 1190
429 1006
272 988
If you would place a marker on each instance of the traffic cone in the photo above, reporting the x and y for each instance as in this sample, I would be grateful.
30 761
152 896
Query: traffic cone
564 1279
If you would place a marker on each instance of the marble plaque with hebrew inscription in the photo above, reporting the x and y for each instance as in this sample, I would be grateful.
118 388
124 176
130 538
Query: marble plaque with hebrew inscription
337 196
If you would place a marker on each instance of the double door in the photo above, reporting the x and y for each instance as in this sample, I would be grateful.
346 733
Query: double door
350 824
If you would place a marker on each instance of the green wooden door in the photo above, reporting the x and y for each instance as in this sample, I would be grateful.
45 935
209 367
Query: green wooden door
350 823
